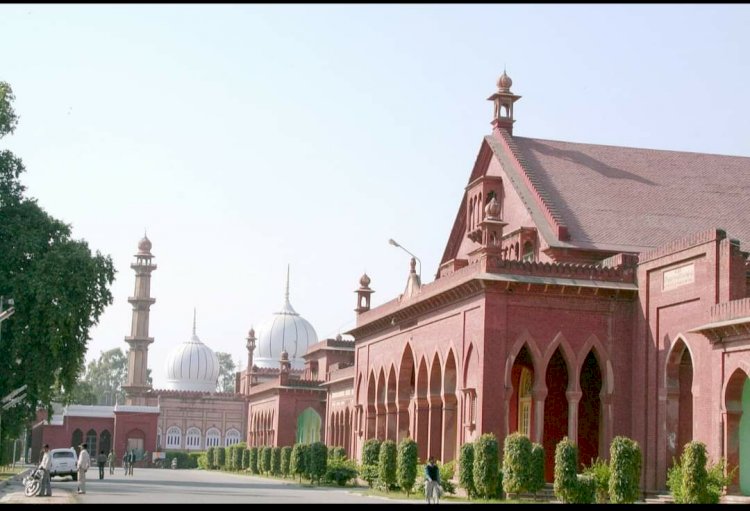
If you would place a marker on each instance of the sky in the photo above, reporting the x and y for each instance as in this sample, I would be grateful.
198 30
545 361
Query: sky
243 138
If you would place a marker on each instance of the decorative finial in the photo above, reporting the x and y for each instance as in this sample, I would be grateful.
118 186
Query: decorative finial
194 314
286 293
413 265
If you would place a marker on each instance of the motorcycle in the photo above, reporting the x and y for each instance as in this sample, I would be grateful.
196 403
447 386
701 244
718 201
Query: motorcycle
32 483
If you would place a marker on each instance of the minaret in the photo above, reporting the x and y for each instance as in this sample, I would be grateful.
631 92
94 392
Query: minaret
363 294
139 340
503 99
249 369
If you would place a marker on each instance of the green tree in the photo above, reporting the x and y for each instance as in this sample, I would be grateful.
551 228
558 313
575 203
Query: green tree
226 372
59 287
106 377
406 464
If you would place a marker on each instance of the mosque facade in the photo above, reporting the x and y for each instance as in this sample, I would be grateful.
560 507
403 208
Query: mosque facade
585 291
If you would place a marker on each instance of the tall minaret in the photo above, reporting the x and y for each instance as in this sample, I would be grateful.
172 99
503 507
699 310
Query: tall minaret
139 340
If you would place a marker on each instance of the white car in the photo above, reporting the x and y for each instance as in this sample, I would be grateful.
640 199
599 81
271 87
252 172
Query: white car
63 463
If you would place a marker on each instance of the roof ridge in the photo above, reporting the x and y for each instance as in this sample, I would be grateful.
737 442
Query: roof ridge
542 196
632 147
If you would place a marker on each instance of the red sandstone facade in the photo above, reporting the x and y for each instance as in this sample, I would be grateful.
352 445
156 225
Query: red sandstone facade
584 291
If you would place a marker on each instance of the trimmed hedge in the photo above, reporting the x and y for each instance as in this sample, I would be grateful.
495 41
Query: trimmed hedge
599 470
684 478
245 459
585 489
536 473
370 461
337 452
211 457
566 461
317 461
486 465
298 463
276 461
221 457
266 460
516 463
184 460
340 471
387 464
253 464
286 460
406 464
625 470
466 470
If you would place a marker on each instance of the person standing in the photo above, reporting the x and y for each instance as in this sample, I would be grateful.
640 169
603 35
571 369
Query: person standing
46 490
101 460
432 481
125 461
84 462
111 462
131 461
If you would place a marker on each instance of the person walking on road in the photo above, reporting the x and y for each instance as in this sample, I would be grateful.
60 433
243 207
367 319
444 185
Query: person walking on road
131 461
101 461
84 462
111 462
432 482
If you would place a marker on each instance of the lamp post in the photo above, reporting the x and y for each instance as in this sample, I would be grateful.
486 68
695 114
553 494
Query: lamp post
395 244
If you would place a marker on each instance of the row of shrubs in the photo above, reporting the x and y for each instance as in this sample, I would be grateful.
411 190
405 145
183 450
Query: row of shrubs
482 475
388 466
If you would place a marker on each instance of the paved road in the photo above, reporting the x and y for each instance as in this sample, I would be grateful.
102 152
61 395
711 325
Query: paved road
189 486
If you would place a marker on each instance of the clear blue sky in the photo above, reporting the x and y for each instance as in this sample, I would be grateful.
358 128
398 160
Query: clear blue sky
246 137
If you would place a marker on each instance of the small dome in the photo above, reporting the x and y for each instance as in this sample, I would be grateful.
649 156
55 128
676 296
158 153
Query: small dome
338 337
287 331
504 82
144 246
192 366
364 281
251 333
492 209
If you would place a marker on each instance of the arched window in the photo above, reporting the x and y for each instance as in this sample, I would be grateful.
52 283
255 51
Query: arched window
77 438
213 438
174 437
524 402
193 439
232 437
91 442
105 441
528 251
308 427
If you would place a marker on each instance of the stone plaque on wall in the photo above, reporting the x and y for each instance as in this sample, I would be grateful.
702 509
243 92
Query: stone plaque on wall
679 277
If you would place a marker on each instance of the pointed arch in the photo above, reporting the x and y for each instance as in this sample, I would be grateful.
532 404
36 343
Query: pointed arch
371 410
524 340
737 405
421 426
436 408
556 409
590 408
566 351
380 409
602 356
407 384
450 405
678 384
308 426
390 405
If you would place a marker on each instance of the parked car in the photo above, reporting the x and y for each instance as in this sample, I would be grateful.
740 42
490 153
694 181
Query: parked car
64 463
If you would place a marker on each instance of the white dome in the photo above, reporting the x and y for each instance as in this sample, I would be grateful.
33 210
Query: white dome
192 366
286 331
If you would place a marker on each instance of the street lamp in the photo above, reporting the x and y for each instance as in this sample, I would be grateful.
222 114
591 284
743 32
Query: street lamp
395 244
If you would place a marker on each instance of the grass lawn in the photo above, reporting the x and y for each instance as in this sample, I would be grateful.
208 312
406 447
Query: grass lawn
8 472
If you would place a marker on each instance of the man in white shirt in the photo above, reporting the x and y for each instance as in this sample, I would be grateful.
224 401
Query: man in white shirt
84 462
46 490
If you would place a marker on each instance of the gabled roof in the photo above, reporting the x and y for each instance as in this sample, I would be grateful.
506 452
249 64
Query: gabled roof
639 198
616 198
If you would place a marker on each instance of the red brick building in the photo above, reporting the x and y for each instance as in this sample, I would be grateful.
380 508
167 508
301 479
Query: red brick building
585 291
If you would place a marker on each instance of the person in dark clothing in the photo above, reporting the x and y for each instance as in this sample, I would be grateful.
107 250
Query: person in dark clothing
101 461
432 488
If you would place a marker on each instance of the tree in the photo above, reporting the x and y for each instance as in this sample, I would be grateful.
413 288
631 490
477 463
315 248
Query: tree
59 287
226 372
106 377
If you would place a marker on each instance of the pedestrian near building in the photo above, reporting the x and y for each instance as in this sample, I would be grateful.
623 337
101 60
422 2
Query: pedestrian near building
131 461
125 461
46 490
111 462
101 461
432 487
84 462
